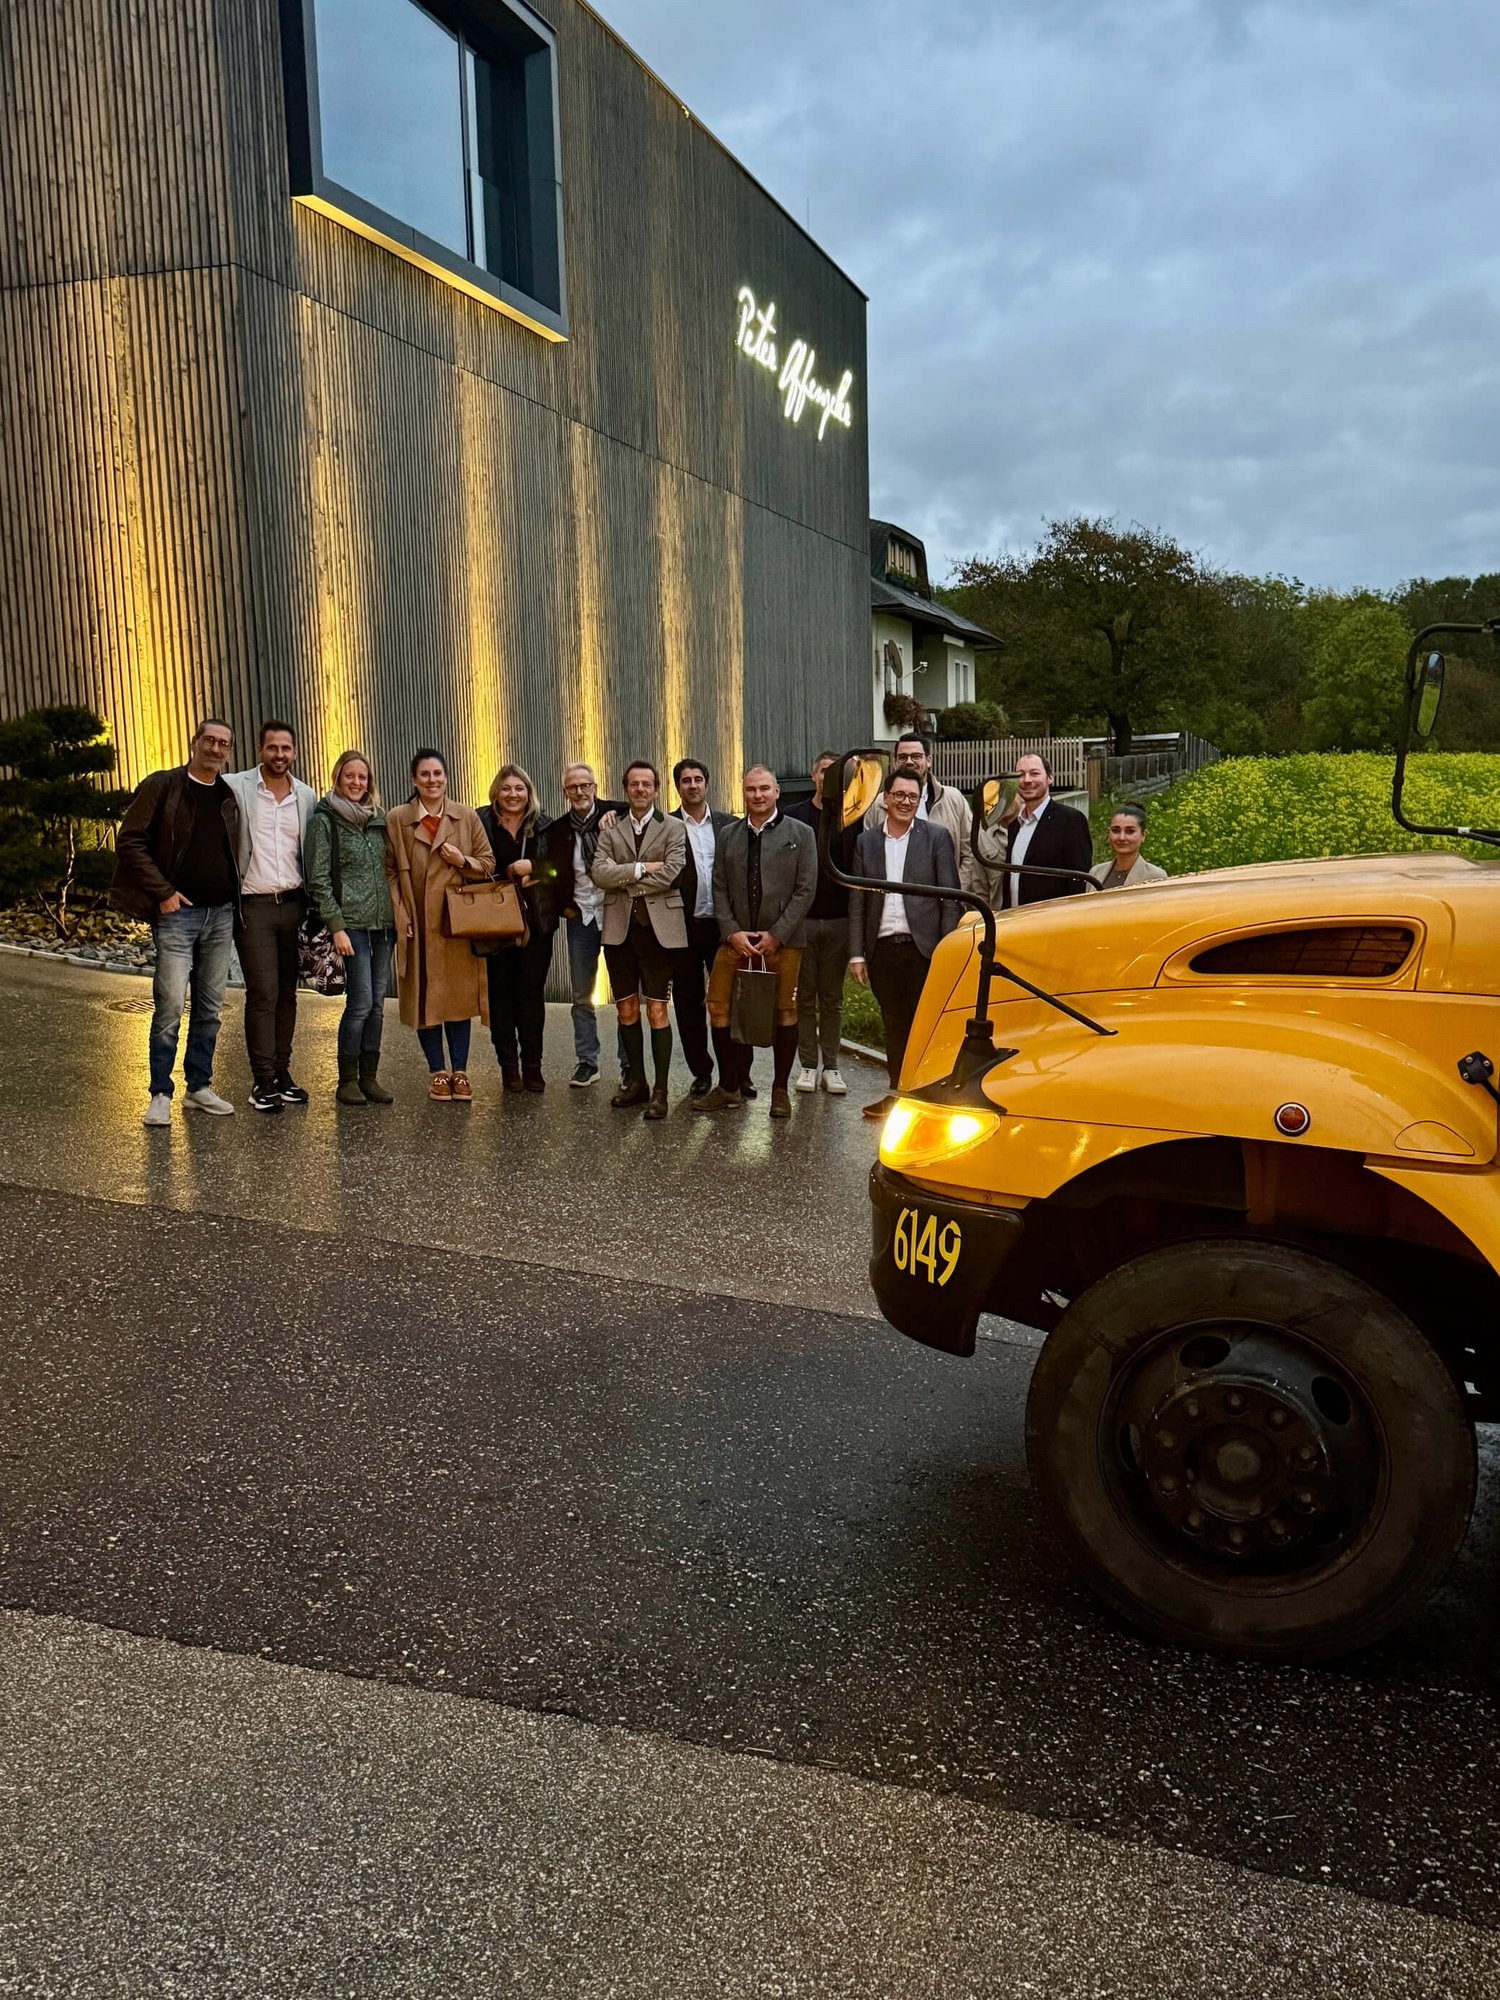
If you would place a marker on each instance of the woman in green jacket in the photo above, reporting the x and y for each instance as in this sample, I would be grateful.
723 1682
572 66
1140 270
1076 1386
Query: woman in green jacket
344 865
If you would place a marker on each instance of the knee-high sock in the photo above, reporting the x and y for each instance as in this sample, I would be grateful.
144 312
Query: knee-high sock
661 1055
635 1051
785 1048
729 1054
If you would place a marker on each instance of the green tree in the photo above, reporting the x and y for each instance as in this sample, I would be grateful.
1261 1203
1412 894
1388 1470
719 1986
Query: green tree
1100 622
982 720
1470 716
1355 673
52 809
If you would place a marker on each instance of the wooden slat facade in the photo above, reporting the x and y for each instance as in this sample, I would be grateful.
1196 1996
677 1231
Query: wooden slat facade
252 462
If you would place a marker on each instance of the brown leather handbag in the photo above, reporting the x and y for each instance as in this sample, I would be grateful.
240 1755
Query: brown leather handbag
486 913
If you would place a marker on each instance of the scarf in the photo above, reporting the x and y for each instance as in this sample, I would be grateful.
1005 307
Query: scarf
354 812
587 830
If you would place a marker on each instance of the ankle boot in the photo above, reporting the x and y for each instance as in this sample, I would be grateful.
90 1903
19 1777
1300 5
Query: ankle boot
374 1091
348 1091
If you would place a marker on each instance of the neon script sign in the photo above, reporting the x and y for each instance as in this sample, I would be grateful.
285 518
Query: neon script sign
799 386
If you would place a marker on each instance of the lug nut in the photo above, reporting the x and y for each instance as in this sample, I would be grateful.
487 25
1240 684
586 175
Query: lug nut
1193 1522
1276 1419
1306 1455
1278 1529
1236 1538
1234 1400
1303 1497
1166 1440
1193 1410
1167 1483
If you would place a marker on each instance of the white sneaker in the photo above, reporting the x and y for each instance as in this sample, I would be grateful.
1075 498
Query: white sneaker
206 1098
159 1110
807 1079
834 1084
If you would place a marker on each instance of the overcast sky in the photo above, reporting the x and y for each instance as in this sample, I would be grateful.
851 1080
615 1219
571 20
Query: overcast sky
1226 268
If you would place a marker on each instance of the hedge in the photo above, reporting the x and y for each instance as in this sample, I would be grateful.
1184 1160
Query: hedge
1246 809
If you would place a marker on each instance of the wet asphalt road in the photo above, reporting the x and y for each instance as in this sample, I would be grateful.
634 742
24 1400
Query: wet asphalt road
635 1499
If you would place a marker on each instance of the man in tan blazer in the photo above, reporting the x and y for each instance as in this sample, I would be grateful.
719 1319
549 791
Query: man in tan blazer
637 863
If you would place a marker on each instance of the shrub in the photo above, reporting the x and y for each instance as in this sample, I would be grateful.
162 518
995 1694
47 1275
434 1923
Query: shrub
975 720
862 1022
53 815
1246 809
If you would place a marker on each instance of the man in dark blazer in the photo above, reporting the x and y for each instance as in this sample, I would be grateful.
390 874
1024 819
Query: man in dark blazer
765 876
892 937
566 890
704 829
1044 834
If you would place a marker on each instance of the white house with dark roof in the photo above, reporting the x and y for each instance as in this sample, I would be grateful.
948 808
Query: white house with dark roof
919 647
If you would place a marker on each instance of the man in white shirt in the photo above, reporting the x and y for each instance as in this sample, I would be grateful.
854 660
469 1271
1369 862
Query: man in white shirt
703 828
273 811
1044 833
892 937
568 845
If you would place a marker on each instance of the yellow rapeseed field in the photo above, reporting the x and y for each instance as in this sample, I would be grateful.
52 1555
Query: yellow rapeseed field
1246 809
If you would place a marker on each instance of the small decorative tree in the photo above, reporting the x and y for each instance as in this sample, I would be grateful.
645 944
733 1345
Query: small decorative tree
52 813
904 711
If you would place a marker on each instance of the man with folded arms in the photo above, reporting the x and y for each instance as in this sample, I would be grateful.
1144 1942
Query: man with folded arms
637 862
892 937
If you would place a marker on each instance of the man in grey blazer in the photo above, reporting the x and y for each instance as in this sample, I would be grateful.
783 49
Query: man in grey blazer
704 829
765 877
272 830
637 863
892 937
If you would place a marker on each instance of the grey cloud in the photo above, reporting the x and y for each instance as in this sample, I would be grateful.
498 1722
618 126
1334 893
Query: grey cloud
1229 269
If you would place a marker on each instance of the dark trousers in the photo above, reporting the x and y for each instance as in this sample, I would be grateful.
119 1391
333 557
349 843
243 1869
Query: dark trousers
266 940
897 971
518 1002
820 990
689 990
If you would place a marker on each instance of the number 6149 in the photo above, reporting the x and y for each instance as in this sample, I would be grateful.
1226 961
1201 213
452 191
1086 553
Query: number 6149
922 1250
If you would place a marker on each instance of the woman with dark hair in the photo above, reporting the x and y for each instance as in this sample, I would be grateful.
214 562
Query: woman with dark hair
431 846
344 865
1126 869
518 973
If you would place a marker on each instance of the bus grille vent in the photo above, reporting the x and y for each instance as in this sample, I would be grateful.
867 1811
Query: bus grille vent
1334 951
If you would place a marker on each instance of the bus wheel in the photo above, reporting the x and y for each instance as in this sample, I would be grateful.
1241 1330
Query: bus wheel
1248 1447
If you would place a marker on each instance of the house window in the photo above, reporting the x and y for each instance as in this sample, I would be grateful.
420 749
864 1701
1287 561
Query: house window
433 129
901 559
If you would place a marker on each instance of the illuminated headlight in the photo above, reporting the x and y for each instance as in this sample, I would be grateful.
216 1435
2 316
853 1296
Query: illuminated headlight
915 1133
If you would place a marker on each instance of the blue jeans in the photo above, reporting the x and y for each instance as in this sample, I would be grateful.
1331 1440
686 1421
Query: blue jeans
367 977
192 949
584 942
458 1033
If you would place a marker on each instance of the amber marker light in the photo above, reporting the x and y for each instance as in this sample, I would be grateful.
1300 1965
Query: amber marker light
914 1134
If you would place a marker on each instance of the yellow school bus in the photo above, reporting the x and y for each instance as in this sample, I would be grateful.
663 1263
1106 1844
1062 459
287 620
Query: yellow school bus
1229 1141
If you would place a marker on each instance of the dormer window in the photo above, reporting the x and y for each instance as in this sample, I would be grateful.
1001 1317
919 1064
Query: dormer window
901 559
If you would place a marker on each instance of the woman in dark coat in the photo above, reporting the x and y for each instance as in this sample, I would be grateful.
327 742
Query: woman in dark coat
343 860
518 973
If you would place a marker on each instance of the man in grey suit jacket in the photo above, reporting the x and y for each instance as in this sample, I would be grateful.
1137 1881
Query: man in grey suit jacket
765 876
892 937
637 863
704 828
271 832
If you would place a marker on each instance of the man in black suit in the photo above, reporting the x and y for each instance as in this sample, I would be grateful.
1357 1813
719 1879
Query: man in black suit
892 937
1044 834
705 828
565 881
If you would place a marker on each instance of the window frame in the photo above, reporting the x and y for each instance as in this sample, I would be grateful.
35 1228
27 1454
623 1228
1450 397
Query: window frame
316 189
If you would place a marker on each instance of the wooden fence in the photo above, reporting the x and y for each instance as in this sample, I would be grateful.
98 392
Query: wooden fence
965 764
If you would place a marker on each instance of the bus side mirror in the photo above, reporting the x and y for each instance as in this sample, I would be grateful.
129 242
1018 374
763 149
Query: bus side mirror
1429 693
994 801
849 793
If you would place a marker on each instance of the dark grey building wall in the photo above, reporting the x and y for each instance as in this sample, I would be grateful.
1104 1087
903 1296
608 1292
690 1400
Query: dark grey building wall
251 461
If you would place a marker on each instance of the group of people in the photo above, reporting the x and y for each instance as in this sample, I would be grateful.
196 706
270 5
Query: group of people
678 903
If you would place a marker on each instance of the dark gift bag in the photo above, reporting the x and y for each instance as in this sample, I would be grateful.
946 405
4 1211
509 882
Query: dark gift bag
752 1006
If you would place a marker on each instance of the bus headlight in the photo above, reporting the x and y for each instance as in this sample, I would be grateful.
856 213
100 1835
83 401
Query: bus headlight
914 1134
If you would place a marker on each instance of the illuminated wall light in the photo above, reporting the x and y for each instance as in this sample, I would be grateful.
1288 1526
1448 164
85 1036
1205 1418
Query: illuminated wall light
588 724
674 594
479 461
730 737
337 553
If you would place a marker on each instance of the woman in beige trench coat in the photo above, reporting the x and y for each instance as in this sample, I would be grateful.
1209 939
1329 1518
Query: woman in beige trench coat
431 844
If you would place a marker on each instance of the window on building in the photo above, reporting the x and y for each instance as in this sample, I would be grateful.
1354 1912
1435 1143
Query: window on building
433 128
900 558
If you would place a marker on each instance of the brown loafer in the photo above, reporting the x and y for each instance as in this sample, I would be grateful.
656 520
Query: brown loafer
628 1094
719 1099
781 1103
462 1092
880 1106
657 1108
440 1086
